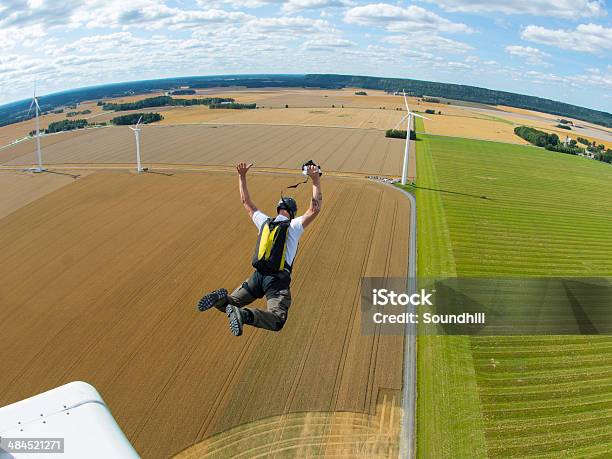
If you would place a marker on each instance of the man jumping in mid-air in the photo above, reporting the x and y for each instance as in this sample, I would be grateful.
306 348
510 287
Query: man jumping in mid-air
273 259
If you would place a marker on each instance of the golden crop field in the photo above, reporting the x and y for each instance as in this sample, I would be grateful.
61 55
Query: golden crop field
336 149
553 118
371 118
19 130
103 284
471 128
18 188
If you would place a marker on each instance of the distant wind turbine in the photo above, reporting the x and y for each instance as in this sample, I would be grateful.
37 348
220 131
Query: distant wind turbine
34 104
136 130
408 116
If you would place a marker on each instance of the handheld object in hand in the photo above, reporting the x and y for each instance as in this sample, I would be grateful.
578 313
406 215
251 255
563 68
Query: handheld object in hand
310 162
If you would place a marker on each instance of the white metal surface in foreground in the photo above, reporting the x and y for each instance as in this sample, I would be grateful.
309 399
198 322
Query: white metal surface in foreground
74 412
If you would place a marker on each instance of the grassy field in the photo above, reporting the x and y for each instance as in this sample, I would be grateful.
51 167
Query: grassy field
545 214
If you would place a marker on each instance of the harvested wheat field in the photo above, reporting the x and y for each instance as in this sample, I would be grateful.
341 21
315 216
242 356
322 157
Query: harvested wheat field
310 434
20 188
103 288
472 128
15 131
336 149
364 118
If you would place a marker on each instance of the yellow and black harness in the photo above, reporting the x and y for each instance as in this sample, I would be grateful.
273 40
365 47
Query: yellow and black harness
271 248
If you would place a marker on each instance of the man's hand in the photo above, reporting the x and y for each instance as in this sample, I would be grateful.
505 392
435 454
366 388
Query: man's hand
245 198
243 168
313 172
317 196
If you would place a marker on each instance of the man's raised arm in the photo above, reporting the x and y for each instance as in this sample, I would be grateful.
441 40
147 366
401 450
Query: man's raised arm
245 197
317 197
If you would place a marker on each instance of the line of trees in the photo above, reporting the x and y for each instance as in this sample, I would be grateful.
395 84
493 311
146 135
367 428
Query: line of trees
234 105
65 125
163 101
536 137
395 133
73 114
133 118
551 143
183 92
583 141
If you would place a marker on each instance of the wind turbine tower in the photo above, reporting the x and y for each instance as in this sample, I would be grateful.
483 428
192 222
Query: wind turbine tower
34 104
136 130
407 117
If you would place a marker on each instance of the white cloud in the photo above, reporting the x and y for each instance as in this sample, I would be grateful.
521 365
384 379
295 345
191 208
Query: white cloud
590 38
298 5
595 77
23 13
148 14
288 26
327 44
567 9
529 54
433 43
402 19
288 6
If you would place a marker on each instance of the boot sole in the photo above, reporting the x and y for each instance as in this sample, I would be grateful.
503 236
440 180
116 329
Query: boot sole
211 299
235 324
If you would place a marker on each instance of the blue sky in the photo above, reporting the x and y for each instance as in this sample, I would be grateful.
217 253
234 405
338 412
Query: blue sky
559 49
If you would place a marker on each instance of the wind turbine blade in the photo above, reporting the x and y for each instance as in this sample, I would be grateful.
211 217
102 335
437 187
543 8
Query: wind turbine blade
36 102
421 116
405 101
400 121
30 109
139 120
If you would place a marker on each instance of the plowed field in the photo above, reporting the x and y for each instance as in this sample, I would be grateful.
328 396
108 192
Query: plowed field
99 283
336 149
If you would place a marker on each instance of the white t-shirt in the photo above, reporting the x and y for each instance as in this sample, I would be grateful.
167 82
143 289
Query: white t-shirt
295 231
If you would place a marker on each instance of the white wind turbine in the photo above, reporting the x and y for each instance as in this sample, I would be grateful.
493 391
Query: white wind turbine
136 130
408 116
34 104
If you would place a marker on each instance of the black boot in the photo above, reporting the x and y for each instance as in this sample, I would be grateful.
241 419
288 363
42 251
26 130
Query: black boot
236 319
217 299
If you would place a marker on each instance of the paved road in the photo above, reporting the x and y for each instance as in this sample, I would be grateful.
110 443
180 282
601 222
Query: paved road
408 437
407 440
